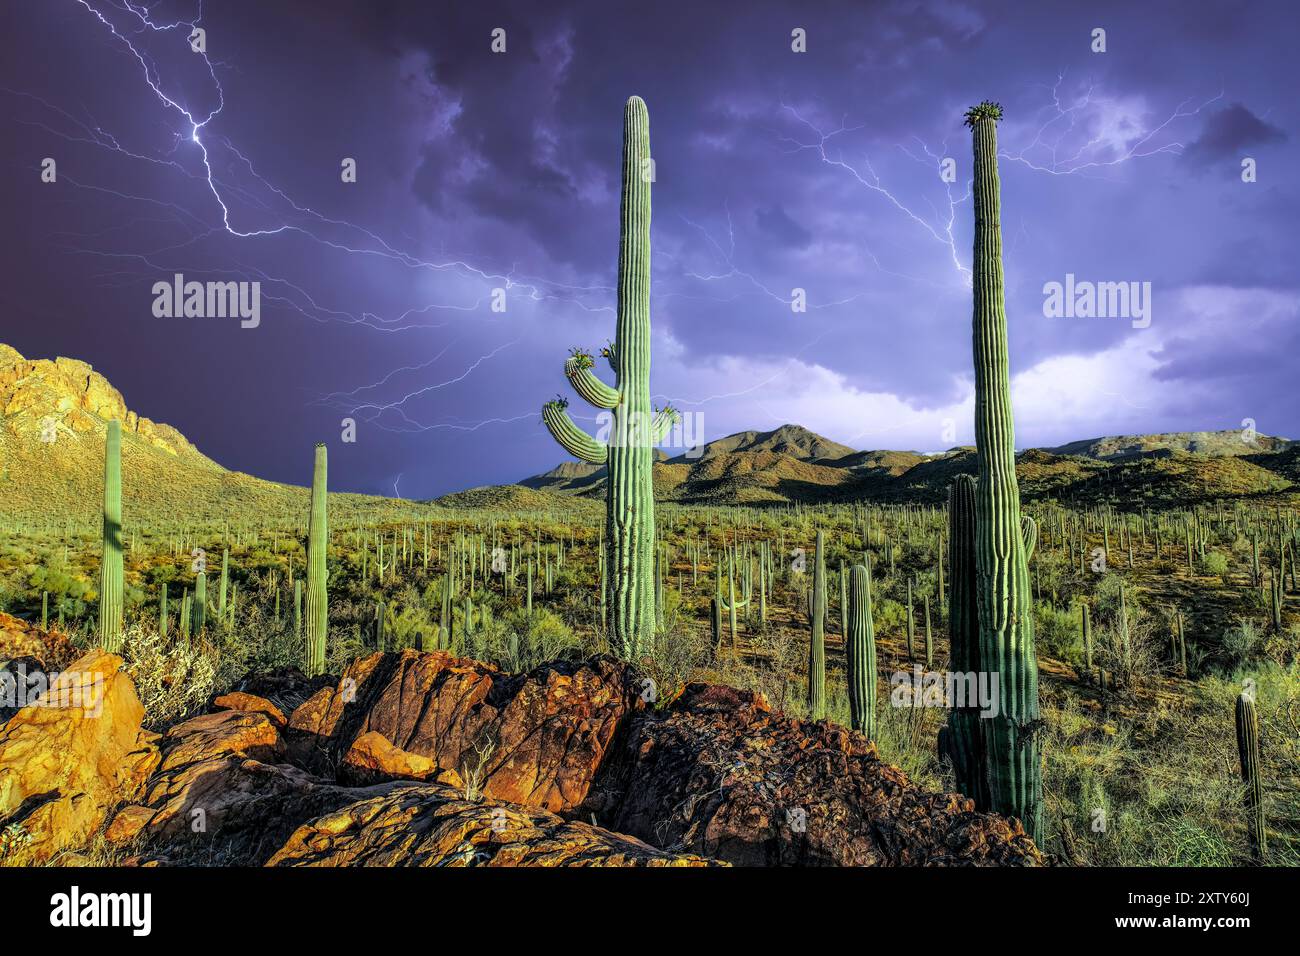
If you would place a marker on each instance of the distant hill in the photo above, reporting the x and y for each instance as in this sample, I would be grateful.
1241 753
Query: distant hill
1214 444
55 414
791 464
55 418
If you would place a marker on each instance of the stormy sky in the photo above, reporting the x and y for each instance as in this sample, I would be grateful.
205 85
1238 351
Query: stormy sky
775 171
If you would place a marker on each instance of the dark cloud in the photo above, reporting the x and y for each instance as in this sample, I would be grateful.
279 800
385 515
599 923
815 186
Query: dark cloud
775 222
1227 132
491 171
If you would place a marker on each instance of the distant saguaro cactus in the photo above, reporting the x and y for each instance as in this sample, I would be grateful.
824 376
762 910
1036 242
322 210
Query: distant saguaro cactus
860 647
1006 621
630 509
110 568
317 543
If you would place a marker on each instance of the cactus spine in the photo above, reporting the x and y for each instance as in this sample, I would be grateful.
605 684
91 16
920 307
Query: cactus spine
630 514
110 568
1248 750
860 648
317 541
1006 624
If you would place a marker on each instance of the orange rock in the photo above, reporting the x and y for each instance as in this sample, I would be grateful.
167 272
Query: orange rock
534 739
238 700
73 754
222 734
372 759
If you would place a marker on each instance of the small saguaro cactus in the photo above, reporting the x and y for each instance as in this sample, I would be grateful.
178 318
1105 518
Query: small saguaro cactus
1013 766
110 568
860 647
1248 751
633 432
317 541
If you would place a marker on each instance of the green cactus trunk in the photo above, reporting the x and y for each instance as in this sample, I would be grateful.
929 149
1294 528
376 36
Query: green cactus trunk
162 612
817 650
1006 623
224 588
628 454
200 602
110 569
962 739
1248 751
317 620
630 513
860 647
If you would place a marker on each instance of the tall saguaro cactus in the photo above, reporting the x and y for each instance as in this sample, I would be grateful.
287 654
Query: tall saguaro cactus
817 646
633 432
1006 624
110 568
317 542
860 648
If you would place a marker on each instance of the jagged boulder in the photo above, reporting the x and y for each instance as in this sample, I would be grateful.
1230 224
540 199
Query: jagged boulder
430 825
721 775
223 795
69 757
535 739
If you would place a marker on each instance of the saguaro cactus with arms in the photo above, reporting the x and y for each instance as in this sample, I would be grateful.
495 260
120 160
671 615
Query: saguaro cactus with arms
634 428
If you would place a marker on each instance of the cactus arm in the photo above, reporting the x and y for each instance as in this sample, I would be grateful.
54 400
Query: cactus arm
1029 532
664 420
593 390
572 438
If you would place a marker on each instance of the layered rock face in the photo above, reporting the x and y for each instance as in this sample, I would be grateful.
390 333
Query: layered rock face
430 760
534 739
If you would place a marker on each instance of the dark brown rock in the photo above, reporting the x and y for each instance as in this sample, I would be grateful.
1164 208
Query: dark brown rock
429 825
720 774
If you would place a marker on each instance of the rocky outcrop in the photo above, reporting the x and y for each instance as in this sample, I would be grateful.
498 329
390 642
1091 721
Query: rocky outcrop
437 826
430 760
721 775
69 757
535 739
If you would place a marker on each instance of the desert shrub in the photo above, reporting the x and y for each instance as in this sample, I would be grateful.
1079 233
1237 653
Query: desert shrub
1242 644
1215 563
173 681
1056 633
